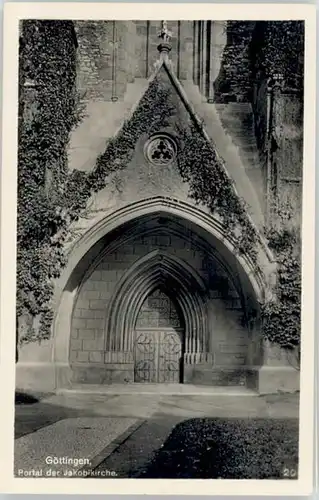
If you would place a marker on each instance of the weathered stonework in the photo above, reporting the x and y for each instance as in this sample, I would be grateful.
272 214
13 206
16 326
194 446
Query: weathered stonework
145 215
228 337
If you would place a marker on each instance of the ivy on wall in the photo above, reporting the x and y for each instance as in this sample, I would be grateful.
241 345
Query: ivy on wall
281 315
57 197
210 185
47 113
277 50
198 164
152 113
277 47
57 203
233 83
266 48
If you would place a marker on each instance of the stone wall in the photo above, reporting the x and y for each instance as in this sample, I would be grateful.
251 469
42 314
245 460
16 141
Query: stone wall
278 117
147 41
90 342
261 113
288 154
112 54
233 83
277 62
94 59
105 59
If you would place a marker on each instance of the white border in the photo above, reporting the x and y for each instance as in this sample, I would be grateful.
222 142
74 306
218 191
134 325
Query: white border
12 13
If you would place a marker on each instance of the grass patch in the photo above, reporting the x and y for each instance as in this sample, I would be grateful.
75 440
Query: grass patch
227 449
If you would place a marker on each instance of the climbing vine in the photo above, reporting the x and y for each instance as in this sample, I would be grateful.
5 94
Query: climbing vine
260 49
232 84
210 185
47 113
46 189
56 198
152 113
277 47
281 315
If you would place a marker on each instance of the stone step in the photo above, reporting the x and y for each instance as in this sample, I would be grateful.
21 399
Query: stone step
239 107
231 128
170 389
241 127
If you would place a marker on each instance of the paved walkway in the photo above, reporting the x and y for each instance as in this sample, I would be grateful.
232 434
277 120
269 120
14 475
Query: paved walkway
160 389
95 425
63 448
209 404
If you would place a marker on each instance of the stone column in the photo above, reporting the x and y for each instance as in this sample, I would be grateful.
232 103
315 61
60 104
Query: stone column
254 351
196 52
218 43
203 58
186 50
198 368
279 370
34 367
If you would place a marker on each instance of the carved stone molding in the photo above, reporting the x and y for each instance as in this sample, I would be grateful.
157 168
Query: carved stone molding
160 149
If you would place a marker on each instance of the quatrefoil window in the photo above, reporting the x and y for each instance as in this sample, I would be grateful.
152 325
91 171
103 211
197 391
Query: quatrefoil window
160 150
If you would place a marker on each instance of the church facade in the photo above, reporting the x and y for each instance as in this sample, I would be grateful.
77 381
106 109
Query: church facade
157 287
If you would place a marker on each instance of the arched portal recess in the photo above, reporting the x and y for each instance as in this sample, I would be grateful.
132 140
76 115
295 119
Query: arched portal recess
175 278
156 269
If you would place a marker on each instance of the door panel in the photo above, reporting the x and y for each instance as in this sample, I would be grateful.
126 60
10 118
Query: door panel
157 356
170 351
146 357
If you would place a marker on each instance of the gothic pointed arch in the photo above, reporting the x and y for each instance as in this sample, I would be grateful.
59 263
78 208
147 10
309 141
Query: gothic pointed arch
156 269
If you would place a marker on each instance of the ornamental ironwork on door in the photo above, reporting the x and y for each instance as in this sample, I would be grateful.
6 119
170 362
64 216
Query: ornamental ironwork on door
158 340
158 356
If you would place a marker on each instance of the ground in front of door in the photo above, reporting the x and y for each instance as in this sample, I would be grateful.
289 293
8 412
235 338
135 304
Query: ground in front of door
156 435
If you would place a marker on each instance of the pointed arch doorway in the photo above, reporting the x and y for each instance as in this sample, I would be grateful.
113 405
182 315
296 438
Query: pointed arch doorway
159 340
157 316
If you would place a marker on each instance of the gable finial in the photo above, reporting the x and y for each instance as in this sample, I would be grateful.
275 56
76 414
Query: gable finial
164 47
165 34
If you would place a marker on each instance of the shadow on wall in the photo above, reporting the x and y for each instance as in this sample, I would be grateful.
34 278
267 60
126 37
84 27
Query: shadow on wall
227 449
233 83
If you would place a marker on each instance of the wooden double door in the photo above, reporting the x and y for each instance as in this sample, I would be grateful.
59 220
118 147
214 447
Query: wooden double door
158 356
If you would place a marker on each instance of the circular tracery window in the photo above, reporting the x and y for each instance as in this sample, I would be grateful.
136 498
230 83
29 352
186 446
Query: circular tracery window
160 149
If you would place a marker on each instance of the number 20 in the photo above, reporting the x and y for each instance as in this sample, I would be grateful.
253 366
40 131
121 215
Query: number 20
290 473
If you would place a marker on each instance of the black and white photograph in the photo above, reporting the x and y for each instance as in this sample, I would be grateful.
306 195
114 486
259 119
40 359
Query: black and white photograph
157 325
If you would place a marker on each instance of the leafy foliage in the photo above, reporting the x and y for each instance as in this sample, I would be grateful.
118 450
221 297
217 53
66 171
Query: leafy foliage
58 199
47 113
151 114
268 48
210 185
277 47
232 84
277 53
282 314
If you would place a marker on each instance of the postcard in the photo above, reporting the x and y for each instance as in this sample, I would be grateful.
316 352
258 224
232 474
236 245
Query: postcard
157 242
